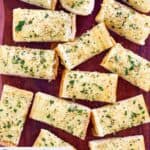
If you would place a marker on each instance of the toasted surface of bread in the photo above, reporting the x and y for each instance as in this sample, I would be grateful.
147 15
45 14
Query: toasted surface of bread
27 62
79 7
120 116
127 143
93 86
48 139
91 43
14 107
125 21
68 116
32 25
129 66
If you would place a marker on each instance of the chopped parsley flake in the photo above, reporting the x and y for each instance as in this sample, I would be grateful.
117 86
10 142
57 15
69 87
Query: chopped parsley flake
20 25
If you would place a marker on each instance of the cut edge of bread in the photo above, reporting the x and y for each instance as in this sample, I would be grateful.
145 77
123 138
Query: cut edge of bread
101 13
62 83
7 144
55 67
73 27
53 5
95 129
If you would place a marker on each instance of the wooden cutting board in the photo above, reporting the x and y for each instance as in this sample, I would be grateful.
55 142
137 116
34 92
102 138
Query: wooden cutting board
125 89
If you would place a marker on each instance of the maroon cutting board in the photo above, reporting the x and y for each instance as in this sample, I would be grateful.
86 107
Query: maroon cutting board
125 89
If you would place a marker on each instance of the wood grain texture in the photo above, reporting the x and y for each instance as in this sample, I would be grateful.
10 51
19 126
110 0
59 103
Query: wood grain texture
125 89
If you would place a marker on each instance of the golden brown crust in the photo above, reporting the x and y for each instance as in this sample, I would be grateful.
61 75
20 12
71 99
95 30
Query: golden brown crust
61 56
105 58
73 27
7 144
36 141
113 41
101 13
61 83
53 5
87 124
93 120
55 67
33 106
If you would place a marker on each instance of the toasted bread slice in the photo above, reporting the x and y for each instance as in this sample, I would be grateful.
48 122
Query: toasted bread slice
131 142
140 5
32 25
27 62
48 139
93 86
79 7
48 4
129 66
91 43
70 117
124 21
14 107
120 116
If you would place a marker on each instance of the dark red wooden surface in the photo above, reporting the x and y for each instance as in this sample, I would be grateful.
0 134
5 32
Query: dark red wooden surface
125 90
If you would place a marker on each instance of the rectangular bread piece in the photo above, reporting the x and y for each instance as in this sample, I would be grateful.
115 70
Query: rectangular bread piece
93 86
32 25
48 139
140 5
27 62
79 7
129 66
70 117
120 116
91 43
127 143
48 4
124 21
14 107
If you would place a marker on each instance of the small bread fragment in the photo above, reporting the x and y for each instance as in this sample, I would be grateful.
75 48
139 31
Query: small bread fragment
91 43
70 117
129 66
127 143
140 5
48 139
48 4
27 62
32 25
14 107
93 86
120 116
124 21
79 7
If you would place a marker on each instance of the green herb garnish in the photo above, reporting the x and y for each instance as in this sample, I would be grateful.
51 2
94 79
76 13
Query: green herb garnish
20 25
